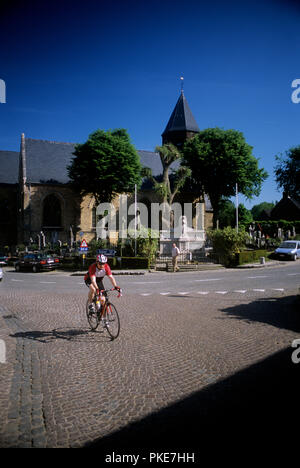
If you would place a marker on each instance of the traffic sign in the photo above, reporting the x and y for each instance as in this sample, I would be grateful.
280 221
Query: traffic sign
84 245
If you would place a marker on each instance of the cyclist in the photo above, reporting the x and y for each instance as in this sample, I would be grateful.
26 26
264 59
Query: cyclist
94 279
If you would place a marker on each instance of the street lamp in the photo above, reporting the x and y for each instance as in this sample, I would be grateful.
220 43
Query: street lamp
236 208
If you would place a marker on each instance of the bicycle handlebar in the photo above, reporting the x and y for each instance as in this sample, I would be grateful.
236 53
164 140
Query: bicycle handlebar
100 291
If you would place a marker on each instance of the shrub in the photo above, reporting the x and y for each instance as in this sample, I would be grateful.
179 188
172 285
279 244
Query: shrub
248 256
227 243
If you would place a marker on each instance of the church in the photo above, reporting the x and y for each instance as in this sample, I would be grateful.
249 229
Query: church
39 206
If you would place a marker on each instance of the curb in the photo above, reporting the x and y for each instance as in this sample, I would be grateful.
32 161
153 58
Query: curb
259 265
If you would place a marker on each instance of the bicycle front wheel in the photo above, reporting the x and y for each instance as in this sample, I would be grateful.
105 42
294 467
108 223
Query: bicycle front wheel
92 317
111 321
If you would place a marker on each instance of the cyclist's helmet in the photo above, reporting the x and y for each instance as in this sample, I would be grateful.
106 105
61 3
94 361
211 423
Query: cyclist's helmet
101 258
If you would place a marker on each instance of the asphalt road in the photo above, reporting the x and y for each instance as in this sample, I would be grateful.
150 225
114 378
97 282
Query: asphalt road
232 281
211 348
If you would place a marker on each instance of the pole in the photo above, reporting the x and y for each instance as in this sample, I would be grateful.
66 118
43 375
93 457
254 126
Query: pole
236 208
135 210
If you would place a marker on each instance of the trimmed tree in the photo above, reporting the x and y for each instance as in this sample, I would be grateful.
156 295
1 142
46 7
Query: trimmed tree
219 159
105 165
172 180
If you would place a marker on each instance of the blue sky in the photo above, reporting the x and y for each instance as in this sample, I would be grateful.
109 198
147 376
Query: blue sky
71 67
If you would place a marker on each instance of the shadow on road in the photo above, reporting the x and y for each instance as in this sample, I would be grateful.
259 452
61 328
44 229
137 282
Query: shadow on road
283 312
247 415
69 334
254 410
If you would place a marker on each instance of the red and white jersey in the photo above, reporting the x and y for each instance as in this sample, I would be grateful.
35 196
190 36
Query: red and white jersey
99 273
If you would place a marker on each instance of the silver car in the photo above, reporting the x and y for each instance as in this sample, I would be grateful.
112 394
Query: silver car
288 249
1 274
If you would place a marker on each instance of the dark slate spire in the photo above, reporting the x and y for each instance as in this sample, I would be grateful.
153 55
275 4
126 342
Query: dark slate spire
181 125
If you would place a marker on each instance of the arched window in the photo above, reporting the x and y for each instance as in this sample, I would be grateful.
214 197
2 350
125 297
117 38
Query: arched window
52 211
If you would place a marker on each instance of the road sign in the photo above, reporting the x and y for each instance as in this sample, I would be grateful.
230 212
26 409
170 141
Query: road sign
84 245
107 252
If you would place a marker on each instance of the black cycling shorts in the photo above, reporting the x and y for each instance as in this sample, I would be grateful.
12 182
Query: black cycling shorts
98 281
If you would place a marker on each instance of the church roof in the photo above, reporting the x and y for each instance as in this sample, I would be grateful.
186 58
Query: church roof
48 160
9 167
181 118
152 160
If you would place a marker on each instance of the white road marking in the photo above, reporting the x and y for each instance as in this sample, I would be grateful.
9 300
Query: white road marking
293 274
211 279
254 277
47 282
16 279
204 293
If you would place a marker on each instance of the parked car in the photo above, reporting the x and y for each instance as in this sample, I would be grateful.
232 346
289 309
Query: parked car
3 259
36 262
1 274
288 249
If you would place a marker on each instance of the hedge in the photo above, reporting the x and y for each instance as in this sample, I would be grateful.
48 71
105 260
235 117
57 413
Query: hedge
248 256
76 263
270 227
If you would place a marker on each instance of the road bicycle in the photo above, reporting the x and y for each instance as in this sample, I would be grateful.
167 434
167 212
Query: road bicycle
106 314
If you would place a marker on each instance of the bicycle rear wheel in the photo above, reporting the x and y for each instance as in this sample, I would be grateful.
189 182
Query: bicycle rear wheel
111 321
92 317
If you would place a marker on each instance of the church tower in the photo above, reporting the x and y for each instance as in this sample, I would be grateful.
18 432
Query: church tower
182 124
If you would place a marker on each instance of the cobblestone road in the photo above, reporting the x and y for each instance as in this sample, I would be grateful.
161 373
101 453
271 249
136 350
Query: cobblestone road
65 386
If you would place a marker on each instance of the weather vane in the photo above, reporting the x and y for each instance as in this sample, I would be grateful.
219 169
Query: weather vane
182 80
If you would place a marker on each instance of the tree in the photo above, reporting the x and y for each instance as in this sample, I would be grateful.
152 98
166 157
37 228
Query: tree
105 165
258 210
172 180
219 159
227 214
287 172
